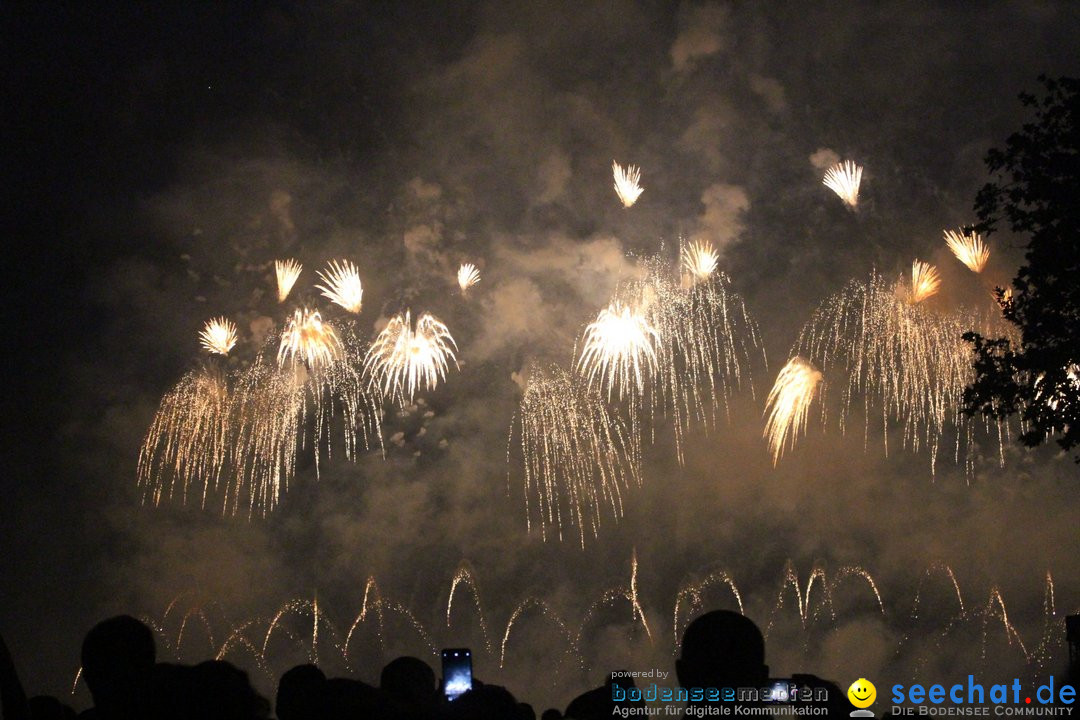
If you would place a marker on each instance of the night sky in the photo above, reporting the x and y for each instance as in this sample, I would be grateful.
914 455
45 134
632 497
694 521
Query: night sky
159 157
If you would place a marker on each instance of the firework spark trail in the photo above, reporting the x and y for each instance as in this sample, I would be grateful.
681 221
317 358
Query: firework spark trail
908 362
578 456
968 248
844 178
237 436
467 276
708 344
218 336
343 286
465 575
404 359
307 338
619 350
547 612
627 183
925 282
287 271
189 440
788 405
699 260
690 600
303 625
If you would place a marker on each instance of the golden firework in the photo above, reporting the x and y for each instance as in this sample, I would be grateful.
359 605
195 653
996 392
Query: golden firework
403 358
343 286
579 456
218 336
700 259
308 339
627 183
925 282
619 349
844 179
467 276
788 404
287 272
968 248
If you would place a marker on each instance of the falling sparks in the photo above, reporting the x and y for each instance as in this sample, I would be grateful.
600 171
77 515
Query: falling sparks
404 359
968 248
627 183
699 259
218 336
619 349
579 457
844 178
467 276
925 282
708 345
233 439
788 404
343 285
307 338
907 361
287 272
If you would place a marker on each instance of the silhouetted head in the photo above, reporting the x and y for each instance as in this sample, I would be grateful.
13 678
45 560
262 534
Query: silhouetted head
722 649
348 698
409 680
300 693
551 714
484 702
223 692
117 661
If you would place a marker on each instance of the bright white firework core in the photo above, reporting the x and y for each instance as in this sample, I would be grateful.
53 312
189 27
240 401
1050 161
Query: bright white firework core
306 337
467 276
627 183
619 349
403 358
700 259
287 271
844 178
218 336
343 285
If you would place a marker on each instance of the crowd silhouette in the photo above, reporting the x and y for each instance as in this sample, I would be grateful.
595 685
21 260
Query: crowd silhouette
720 649
119 667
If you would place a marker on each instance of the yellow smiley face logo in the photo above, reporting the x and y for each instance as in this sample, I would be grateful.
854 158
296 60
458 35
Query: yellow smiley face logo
862 693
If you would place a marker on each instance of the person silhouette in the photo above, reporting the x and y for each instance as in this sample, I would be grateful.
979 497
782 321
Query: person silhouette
722 649
117 666
300 694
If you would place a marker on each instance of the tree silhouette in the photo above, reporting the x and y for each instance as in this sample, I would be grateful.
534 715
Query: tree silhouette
1035 188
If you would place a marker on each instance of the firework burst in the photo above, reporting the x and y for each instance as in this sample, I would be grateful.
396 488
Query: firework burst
403 358
925 282
307 338
788 405
708 343
287 272
235 438
968 248
699 260
619 349
579 457
844 179
627 183
908 363
467 276
343 285
218 336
